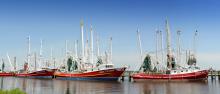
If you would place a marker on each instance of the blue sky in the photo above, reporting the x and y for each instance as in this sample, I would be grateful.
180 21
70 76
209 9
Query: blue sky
55 21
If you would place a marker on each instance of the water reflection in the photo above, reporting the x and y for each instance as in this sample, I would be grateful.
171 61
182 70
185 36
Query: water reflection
38 86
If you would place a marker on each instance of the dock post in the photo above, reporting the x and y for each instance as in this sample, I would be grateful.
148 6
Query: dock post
219 75
129 75
211 74
122 77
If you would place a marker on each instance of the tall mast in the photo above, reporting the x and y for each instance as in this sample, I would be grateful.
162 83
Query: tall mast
41 46
178 47
66 49
194 42
139 43
169 52
9 60
97 44
41 51
110 50
15 68
161 46
51 54
87 47
76 48
91 44
29 49
35 61
157 44
82 40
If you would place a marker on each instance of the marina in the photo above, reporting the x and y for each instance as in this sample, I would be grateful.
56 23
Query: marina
109 47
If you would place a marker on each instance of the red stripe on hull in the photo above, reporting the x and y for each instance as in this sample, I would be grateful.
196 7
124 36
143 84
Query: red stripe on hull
46 72
117 72
6 74
186 76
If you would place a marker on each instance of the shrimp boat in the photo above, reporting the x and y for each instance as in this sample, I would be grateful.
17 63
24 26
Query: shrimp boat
34 72
84 69
172 71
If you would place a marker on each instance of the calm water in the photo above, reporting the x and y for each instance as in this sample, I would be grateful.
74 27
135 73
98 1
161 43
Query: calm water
37 86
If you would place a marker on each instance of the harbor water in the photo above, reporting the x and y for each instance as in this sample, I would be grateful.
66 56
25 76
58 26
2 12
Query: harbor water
54 86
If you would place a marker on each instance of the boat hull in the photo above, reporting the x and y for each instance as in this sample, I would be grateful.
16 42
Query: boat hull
199 75
104 75
2 74
46 73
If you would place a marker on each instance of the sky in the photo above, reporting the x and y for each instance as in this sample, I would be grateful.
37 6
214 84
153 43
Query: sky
56 21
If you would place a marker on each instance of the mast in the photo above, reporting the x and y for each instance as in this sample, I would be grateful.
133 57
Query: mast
91 44
29 49
97 44
157 44
110 50
35 61
41 51
76 48
161 46
51 54
87 48
168 39
9 60
15 68
82 40
66 49
194 42
178 57
140 44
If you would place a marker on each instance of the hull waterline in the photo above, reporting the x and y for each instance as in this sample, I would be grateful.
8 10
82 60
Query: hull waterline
199 75
103 75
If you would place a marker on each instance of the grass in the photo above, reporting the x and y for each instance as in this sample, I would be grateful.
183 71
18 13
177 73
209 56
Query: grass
12 91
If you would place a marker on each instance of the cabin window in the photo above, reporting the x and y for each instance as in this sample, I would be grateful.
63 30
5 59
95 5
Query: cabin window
181 71
174 71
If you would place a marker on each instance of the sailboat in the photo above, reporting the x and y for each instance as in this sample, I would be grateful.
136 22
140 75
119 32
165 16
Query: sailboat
83 68
35 72
172 71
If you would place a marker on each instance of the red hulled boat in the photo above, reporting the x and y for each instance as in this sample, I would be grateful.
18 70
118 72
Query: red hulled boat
175 75
6 74
83 68
109 74
44 73
172 71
